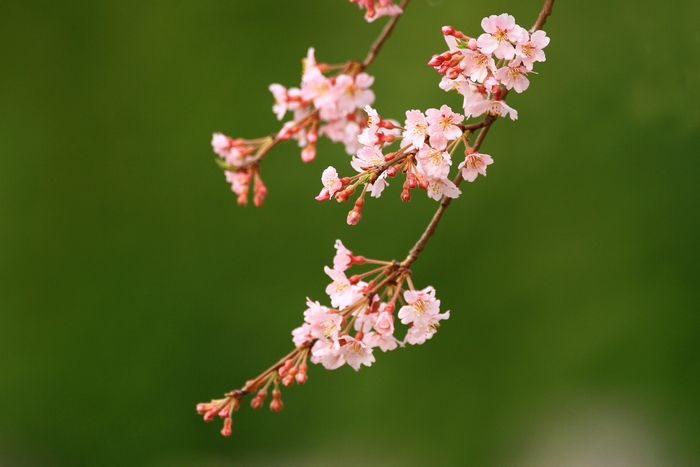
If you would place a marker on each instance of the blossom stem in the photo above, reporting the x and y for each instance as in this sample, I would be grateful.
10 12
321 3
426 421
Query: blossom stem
379 42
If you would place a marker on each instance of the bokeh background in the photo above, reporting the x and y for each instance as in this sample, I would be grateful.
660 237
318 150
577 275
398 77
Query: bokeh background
132 286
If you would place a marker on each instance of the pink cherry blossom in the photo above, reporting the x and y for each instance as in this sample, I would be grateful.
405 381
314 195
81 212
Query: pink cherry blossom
384 342
434 163
416 129
514 76
421 304
340 291
368 158
353 93
531 51
301 334
418 334
377 187
327 352
475 164
478 65
356 353
495 108
501 34
342 258
440 187
384 324
443 126
330 180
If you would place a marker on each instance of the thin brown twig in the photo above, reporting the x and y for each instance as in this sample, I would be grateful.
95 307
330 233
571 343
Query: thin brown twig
379 42
542 18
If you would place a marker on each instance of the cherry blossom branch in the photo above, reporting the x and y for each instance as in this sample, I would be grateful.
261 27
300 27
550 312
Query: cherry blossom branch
487 122
386 32
365 308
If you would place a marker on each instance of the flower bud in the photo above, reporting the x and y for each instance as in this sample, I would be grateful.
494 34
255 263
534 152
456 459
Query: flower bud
276 404
226 430
405 196
308 154
435 61
354 216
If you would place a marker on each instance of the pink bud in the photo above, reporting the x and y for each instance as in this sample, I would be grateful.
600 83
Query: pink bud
308 154
224 413
209 416
203 408
276 404
424 184
226 430
354 216
301 377
472 44
405 196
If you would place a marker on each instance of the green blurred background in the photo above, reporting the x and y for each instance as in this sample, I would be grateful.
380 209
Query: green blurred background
132 286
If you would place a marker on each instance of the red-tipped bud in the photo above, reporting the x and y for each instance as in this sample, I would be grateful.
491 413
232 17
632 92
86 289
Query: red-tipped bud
390 308
354 279
226 430
411 180
452 74
450 31
354 216
424 184
392 171
405 196
257 401
289 379
358 260
301 377
276 404
435 61
359 203
224 412
341 196
203 408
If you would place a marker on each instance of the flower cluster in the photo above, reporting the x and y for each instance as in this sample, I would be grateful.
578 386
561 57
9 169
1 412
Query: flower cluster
378 8
324 105
480 69
428 141
361 309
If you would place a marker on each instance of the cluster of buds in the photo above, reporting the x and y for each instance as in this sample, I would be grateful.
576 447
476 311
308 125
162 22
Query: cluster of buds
378 8
482 69
238 162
